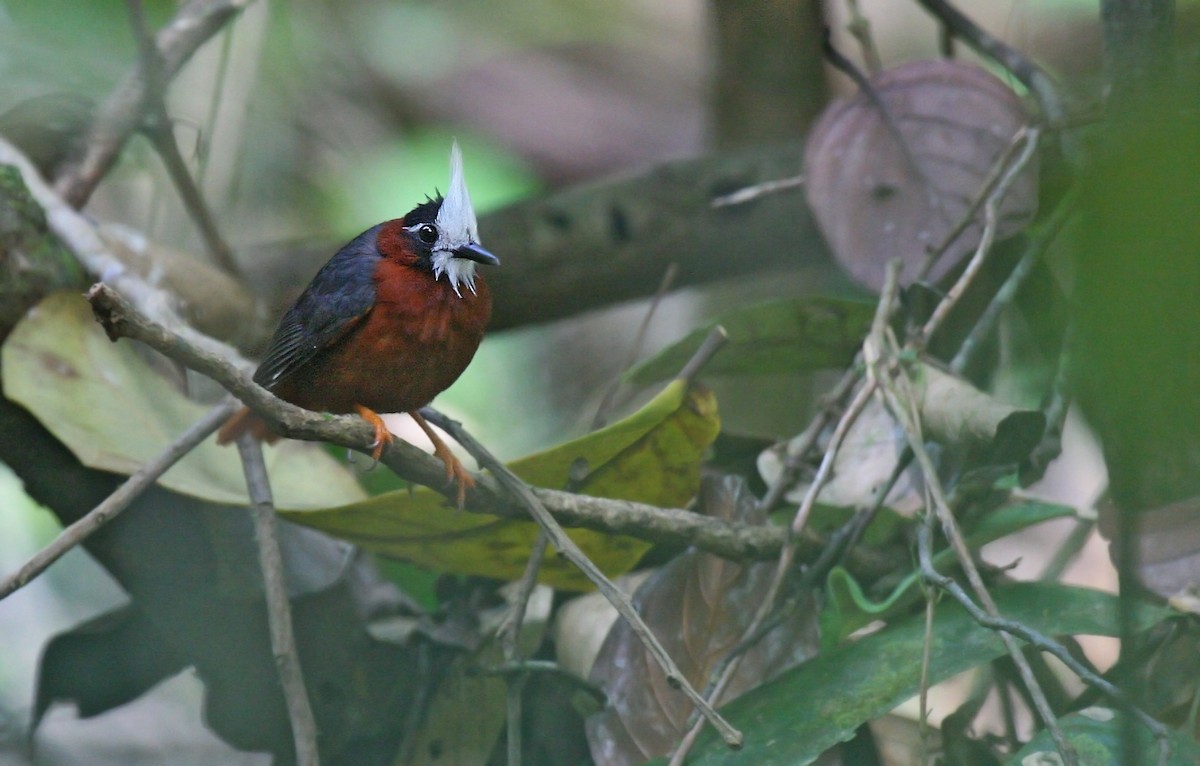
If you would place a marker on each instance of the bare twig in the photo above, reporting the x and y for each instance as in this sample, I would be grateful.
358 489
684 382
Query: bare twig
716 338
897 396
1038 242
751 193
156 124
112 505
787 555
797 450
990 215
121 115
635 348
860 28
839 61
999 170
1036 639
1029 73
279 611
510 639
567 547
732 540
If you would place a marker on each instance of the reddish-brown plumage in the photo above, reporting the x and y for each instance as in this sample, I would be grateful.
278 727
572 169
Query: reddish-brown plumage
415 341
389 323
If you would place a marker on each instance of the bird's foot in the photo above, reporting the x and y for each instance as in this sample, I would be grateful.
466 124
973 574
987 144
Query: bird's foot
383 437
456 472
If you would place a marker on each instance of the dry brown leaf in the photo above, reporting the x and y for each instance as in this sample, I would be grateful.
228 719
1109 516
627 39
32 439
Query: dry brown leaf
698 606
876 198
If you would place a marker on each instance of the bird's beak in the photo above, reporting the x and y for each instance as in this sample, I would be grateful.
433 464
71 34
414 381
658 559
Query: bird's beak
473 252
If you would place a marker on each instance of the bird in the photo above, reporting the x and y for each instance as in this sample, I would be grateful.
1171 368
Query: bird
388 323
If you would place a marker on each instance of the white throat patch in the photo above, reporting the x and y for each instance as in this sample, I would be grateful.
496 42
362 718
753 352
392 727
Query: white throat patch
456 227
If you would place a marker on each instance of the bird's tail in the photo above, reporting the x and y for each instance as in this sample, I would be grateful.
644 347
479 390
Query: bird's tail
244 421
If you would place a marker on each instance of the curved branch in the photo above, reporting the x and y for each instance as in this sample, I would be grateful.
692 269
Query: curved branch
738 541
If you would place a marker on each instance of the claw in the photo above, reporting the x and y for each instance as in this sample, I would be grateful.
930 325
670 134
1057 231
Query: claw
383 437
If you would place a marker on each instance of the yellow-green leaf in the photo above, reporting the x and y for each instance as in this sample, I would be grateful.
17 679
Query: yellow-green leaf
108 404
652 456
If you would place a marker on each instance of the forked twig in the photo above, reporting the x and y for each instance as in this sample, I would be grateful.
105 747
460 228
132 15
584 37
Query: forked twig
121 114
567 547
787 556
156 124
279 610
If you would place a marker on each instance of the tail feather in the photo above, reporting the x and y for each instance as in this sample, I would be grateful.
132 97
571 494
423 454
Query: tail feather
244 421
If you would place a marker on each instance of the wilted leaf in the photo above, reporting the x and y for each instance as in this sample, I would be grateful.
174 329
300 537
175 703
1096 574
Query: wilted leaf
115 412
807 710
797 335
864 464
875 199
652 456
698 605
1096 734
961 416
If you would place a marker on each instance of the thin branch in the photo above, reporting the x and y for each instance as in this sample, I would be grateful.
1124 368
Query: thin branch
990 216
757 191
1038 242
897 396
119 500
567 547
1036 639
279 611
997 171
737 541
787 555
797 450
208 297
157 125
510 640
121 115
1029 73
860 28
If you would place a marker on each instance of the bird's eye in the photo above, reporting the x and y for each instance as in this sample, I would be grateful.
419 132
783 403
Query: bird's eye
428 234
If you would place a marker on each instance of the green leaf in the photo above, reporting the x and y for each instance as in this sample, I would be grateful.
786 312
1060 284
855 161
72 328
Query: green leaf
798 335
653 456
849 609
115 411
795 718
1096 734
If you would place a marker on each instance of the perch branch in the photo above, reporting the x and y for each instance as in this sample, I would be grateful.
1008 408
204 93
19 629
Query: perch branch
112 505
732 540
279 611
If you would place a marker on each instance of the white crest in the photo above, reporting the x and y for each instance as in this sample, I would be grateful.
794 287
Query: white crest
456 227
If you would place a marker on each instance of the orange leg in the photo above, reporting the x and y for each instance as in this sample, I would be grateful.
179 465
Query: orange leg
455 470
383 436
